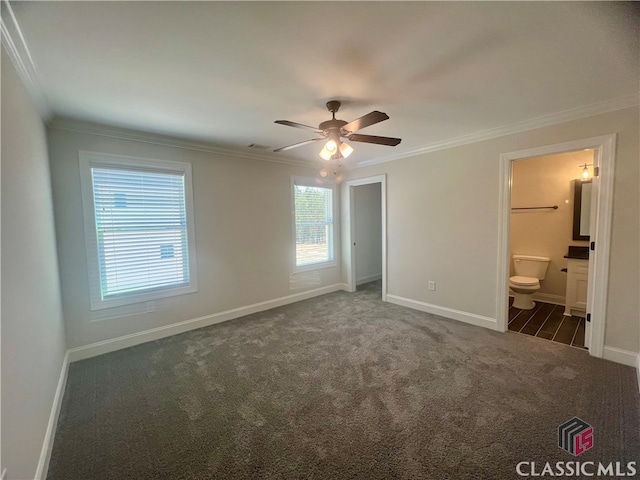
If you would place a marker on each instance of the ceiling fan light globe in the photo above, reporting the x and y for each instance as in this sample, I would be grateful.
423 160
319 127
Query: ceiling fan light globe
331 146
325 154
345 149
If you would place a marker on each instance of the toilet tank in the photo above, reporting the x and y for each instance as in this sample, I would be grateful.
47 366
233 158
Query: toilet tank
531 266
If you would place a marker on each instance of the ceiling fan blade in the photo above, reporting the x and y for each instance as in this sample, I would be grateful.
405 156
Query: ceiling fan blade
362 122
392 142
298 125
295 145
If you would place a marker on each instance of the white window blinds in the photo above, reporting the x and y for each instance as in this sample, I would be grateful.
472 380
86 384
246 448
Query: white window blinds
138 238
141 230
313 225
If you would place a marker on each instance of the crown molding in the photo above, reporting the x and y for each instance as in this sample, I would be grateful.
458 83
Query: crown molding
168 141
18 51
531 124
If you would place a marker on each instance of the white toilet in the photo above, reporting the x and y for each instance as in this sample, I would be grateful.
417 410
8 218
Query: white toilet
529 271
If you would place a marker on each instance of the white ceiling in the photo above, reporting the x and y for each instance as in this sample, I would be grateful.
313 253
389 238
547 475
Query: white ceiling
222 72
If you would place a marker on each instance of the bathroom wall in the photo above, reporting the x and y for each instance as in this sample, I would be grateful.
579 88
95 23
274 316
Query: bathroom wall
547 180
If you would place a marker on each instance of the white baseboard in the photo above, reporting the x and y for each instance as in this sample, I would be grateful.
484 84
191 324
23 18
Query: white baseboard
547 298
550 298
369 278
111 345
625 357
466 317
50 434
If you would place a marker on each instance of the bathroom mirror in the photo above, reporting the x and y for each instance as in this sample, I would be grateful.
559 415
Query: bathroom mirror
581 209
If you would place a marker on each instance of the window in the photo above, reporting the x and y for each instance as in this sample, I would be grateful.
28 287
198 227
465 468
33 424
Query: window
138 227
314 229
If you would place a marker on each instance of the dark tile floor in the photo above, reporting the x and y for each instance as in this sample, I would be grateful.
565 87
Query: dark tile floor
547 321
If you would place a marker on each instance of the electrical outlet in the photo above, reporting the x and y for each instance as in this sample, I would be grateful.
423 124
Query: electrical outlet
432 285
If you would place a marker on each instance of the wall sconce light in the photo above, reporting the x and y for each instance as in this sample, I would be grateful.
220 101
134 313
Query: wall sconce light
585 170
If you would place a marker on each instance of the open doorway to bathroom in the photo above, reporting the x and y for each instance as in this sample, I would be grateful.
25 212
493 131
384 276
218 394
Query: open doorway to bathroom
545 300
573 300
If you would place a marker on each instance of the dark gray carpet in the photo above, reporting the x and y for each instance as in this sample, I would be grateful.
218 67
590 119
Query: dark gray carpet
339 386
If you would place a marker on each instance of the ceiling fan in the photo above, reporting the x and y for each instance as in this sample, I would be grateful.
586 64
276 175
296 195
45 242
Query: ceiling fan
335 130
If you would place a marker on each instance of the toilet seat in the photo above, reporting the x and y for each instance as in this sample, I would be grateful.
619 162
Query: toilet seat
524 281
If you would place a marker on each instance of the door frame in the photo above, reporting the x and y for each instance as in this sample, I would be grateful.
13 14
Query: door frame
602 205
349 257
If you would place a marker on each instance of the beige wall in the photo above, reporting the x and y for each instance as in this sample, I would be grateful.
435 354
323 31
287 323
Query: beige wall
368 232
546 181
442 210
243 228
33 339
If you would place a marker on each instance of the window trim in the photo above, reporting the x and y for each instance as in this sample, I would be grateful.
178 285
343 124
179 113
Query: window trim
88 160
313 182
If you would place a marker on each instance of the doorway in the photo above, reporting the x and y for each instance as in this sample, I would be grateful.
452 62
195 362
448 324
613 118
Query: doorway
364 230
544 244
367 218
599 241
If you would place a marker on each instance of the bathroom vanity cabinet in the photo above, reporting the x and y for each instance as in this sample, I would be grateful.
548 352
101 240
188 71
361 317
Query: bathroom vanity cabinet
577 282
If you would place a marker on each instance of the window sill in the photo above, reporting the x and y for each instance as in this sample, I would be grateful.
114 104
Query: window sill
98 304
314 266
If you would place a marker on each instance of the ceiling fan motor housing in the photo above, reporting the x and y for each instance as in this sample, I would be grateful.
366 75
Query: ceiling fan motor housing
332 127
